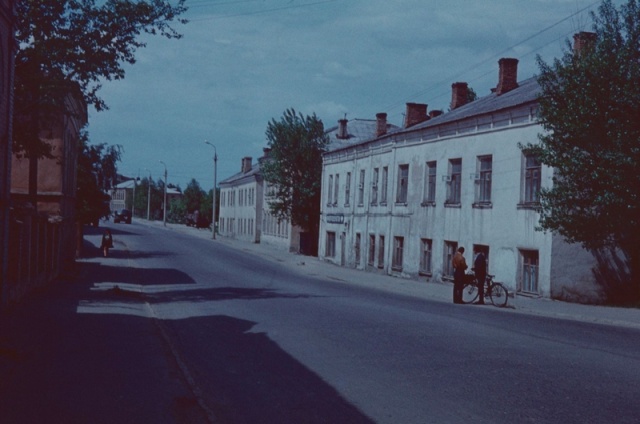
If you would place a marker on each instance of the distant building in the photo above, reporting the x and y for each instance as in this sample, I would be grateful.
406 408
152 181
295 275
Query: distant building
245 197
402 202
241 203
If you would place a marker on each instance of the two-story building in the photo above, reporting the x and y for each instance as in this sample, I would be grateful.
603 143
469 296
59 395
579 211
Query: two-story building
245 197
402 202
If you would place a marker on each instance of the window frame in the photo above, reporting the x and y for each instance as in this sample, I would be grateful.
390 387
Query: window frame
402 190
426 256
454 183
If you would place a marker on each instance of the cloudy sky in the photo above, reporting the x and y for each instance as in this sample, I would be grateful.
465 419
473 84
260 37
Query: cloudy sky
241 63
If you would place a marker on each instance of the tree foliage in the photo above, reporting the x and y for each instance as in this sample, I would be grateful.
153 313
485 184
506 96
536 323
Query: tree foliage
76 44
294 168
96 169
590 109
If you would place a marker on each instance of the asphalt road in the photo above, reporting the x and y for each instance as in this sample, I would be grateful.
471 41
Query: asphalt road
184 329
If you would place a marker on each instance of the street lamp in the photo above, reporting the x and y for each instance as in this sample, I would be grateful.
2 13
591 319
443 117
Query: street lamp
215 183
149 195
164 213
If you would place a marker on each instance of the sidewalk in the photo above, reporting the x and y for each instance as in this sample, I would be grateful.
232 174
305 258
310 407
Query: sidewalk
308 265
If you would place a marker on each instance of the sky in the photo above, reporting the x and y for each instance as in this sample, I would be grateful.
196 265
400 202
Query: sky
242 63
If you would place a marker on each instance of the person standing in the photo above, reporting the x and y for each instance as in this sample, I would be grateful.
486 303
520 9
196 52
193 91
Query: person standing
459 267
107 242
480 269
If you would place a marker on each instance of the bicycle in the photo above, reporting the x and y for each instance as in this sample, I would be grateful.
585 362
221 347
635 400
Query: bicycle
496 292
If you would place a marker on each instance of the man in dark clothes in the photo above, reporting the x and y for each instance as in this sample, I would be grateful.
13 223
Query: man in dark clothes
480 269
459 267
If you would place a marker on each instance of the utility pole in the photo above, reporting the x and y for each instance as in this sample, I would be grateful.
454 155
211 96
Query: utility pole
164 213
149 195
215 183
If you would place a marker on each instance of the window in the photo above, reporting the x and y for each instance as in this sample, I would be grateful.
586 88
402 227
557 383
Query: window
335 190
430 183
454 180
361 188
403 182
483 180
450 248
529 271
374 187
532 180
347 189
425 256
330 248
372 249
398 245
330 187
381 253
357 249
385 179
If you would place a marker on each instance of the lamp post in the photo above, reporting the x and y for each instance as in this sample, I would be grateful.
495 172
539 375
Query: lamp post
149 195
215 183
164 213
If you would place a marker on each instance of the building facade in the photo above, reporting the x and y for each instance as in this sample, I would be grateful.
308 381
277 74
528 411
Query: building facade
402 203
245 197
241 200
52 222
7 53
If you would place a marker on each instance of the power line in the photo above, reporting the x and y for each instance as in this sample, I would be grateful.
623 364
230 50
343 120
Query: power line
261 12
492 58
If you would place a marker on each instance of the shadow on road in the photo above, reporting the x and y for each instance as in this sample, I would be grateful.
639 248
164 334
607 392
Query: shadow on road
61 366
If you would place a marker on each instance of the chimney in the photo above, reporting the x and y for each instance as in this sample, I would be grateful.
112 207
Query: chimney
246 164
459 94
343 134
582 41
508 76
435 113
416 113
266 151
381 124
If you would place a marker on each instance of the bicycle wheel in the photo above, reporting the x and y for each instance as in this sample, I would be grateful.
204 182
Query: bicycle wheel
498 295
469 293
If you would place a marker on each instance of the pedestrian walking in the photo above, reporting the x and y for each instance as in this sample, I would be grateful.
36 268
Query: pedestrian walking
459 267
107 242
480 269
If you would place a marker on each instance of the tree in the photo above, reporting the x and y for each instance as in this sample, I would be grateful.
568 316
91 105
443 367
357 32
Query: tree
96 167
294 168
70 46
589 107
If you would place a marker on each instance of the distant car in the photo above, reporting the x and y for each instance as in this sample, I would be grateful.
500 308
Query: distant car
123 215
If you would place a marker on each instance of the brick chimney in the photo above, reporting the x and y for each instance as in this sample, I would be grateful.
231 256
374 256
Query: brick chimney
582 41
246 164
343 133
434 113
416 113
381 124
459 94
508 76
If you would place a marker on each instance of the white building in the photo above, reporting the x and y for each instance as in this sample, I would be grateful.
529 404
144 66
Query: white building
403 202
244 197
241 196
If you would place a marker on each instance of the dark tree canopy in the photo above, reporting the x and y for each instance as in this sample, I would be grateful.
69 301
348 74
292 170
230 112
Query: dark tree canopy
294 168
590 109
68 45
96 170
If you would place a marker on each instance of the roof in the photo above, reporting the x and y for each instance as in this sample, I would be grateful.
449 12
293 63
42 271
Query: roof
359 130
527 92
236 178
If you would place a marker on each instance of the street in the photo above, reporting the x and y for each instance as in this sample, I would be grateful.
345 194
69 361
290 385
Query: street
172 328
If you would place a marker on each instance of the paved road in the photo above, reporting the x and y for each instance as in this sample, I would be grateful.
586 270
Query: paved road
175 328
